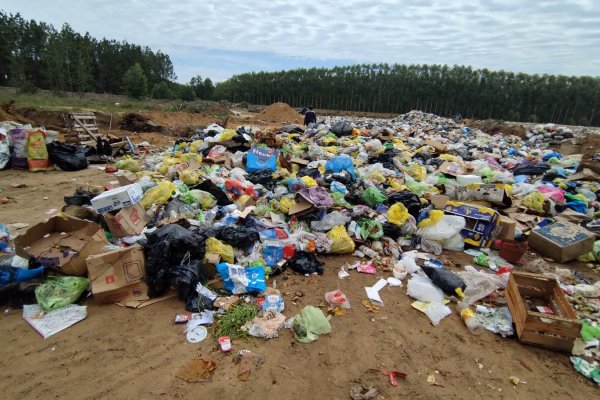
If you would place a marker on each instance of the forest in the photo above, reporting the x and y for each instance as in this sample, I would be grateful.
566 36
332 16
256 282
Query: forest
439 89
35 55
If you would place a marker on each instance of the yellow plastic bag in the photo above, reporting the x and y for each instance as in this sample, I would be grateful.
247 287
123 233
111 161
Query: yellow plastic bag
159 194
396 184
450 158
195 145
167 163
128 164
434 216
417 171
397 214
377 176
189 177
308 181
224 250
342 242
227 135
535 202
285 204
330 149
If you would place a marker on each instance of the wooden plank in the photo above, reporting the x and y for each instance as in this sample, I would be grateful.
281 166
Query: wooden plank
546 341
565 307
87 130
516 306
568 331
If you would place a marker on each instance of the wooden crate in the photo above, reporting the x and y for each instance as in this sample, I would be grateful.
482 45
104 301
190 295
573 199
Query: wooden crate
556 332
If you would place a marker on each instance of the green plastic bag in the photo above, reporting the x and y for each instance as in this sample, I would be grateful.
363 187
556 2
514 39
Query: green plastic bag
370 229
373 196
340 201
60 291
309 324
204 199
417 188
128 164
589 332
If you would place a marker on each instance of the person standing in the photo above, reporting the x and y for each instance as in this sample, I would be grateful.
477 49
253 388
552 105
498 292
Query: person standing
310 116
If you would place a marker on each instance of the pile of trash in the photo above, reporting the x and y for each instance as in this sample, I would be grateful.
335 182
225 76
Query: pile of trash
215 218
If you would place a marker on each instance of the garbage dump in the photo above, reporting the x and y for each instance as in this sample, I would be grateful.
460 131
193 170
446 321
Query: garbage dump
218 218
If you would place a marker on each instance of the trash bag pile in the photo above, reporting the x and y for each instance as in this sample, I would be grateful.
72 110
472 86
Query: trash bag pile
216 217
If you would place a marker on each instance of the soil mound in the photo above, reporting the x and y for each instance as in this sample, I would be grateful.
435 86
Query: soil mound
279 112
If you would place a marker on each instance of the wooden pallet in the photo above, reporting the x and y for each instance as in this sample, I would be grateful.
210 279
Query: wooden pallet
82 128
557 331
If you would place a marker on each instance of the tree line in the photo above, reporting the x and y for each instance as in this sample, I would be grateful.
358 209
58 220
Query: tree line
35 55
440 89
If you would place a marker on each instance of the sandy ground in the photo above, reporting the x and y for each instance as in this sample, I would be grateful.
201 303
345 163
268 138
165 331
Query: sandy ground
122 353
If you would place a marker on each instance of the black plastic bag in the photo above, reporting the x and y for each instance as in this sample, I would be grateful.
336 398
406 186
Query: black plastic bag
168 247
446 280
237 236
408 199
80 198
67 157
185 277
210 187
391 230
305 262
531 169
263 177
312 172
342 128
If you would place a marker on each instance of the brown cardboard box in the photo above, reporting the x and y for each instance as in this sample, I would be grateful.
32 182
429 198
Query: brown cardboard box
117 276
129 221
507 228
451 168
439 147
562 240
301 207
439 201
62 244
126 178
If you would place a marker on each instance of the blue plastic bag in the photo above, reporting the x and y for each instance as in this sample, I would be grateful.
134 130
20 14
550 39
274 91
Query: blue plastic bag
239 280
258 159
339 164
272 253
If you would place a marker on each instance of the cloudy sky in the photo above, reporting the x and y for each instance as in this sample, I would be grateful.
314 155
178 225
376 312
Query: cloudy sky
221 38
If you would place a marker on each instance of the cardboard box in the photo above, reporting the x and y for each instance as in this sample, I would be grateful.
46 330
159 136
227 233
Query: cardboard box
62 244
495 193
439 201
301 207
118 275
118 198
126 178
562 241
439 147
129 221
451 168
481 222
508 228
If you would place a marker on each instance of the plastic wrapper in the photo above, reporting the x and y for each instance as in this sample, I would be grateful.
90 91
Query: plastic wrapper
58 292
239 280
330 220
436 312
336 298
423 289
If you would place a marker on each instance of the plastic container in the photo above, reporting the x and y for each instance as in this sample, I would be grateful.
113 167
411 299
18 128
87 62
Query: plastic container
471 321
512 251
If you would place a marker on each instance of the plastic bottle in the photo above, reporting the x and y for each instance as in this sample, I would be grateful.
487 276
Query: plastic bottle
472 323
369 253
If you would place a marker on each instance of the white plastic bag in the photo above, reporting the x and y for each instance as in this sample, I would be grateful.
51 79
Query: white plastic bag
454 243
436 312
421 288
444 229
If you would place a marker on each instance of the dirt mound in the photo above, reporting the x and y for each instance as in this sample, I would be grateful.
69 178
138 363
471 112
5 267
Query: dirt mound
206 107
279 112
138 123
492 127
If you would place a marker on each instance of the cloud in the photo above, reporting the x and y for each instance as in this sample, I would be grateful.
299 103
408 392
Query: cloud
220 38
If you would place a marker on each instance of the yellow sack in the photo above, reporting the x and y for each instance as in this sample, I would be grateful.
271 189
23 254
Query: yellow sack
417 171
395 184
167 163
227 135
195 145
159 194
285 204
308 181
330 149
189 177
450 158
224 250
397 214
434 216
342 242
535 202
